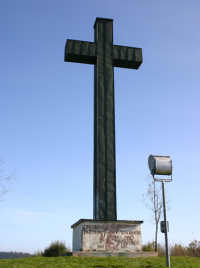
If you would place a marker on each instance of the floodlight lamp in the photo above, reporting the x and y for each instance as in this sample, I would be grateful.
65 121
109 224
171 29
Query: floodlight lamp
160 165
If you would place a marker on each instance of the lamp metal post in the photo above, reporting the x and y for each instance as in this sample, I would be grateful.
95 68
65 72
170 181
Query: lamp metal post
162 165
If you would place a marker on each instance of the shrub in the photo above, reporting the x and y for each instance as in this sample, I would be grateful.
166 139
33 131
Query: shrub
161 250
56 249
148 247
193 249
178 250
38 253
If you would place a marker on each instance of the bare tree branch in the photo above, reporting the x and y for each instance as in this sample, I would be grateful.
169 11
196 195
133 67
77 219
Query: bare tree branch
4 181
153 201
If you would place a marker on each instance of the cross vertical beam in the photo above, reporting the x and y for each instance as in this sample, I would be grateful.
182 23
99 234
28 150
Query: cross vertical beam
104 55
104 124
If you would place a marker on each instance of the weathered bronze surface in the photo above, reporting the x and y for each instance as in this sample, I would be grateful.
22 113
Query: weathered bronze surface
104 55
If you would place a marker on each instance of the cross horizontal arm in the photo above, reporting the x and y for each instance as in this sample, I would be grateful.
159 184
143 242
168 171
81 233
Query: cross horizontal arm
127 57
80 51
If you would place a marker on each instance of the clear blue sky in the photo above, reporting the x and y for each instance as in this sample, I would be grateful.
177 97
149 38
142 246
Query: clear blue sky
46 116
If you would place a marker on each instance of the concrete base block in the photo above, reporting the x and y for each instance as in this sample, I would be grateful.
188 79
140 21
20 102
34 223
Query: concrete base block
142 254
98 237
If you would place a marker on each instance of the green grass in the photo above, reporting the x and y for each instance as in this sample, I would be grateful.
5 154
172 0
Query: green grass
109 262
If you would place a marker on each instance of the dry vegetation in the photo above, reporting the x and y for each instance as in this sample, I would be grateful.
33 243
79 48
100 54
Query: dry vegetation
192 250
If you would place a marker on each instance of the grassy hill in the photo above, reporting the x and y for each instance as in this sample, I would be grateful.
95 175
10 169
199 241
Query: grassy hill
108 262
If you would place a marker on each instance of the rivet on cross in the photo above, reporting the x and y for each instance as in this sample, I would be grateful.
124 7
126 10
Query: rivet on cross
104 55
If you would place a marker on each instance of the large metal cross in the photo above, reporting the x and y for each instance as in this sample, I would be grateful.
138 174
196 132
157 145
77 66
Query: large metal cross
104 55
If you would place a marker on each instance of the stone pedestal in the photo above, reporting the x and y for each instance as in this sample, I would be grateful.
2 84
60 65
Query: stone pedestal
107 236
